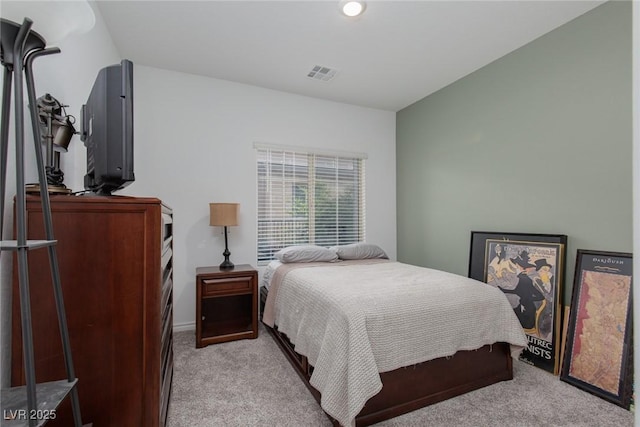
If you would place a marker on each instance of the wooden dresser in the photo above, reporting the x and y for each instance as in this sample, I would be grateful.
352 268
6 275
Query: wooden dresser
116 268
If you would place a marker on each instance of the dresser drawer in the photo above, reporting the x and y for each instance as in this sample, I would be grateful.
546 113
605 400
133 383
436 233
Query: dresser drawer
213 287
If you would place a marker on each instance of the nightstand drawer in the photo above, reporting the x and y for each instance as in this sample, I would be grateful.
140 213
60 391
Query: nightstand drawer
213 287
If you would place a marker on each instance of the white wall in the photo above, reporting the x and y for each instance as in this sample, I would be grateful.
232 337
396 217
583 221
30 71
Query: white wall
194 145
67 76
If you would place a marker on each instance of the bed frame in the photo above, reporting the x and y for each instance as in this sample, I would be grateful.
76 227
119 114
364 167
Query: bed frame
407 389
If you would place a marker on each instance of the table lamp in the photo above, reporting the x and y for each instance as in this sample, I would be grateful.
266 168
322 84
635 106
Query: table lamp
57 131
224 215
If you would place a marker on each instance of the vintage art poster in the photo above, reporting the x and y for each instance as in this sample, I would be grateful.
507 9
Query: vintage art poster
530 273
598 349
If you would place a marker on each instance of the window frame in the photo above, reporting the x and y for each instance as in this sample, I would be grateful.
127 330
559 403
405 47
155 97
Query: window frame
280 166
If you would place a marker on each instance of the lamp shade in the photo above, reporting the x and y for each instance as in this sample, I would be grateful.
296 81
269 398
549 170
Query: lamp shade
63 131
223 214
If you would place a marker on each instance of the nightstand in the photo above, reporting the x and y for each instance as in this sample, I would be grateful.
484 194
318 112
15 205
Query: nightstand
226 304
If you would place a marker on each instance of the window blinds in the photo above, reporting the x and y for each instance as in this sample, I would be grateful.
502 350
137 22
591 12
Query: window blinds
308 198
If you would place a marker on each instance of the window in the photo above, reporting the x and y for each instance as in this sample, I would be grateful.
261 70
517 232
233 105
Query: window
308 198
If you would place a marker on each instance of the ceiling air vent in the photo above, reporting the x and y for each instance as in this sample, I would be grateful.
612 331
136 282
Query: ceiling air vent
322 73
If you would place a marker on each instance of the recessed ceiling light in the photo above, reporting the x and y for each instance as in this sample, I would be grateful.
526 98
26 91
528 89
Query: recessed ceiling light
352 8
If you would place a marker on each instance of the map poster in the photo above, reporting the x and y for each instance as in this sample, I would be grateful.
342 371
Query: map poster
599 341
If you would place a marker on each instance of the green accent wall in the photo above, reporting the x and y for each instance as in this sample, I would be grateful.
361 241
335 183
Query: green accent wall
538 141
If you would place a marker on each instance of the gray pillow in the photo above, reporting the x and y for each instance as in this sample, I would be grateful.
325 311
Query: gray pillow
306 253
359 250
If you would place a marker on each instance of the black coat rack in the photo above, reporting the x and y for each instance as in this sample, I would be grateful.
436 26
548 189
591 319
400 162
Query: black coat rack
32 404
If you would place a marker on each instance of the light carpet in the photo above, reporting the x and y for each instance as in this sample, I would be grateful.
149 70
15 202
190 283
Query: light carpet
251 383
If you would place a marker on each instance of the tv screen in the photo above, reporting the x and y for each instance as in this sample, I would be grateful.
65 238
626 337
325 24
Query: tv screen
107 130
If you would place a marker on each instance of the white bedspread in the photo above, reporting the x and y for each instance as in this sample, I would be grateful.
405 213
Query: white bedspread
354 321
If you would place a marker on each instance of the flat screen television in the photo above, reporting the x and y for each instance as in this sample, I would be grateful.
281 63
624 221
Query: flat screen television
107 130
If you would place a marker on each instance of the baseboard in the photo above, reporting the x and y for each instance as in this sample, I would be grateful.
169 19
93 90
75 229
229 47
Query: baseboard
187 326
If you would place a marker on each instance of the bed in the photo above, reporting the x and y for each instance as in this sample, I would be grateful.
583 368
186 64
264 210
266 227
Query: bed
373 339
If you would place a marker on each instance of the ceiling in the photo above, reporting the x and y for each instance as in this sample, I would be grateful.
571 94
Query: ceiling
393 55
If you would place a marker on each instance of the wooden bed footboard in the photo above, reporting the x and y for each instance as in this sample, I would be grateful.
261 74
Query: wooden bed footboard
413 387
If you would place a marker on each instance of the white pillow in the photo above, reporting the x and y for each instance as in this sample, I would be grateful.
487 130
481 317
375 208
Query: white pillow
306 253
359 250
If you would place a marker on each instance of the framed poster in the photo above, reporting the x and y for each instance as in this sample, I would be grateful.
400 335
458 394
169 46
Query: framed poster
598 353
529 269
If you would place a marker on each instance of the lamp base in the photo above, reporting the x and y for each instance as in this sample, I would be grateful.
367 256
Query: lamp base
226 265
52 189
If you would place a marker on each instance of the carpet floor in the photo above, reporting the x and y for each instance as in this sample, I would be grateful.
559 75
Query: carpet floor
251 383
